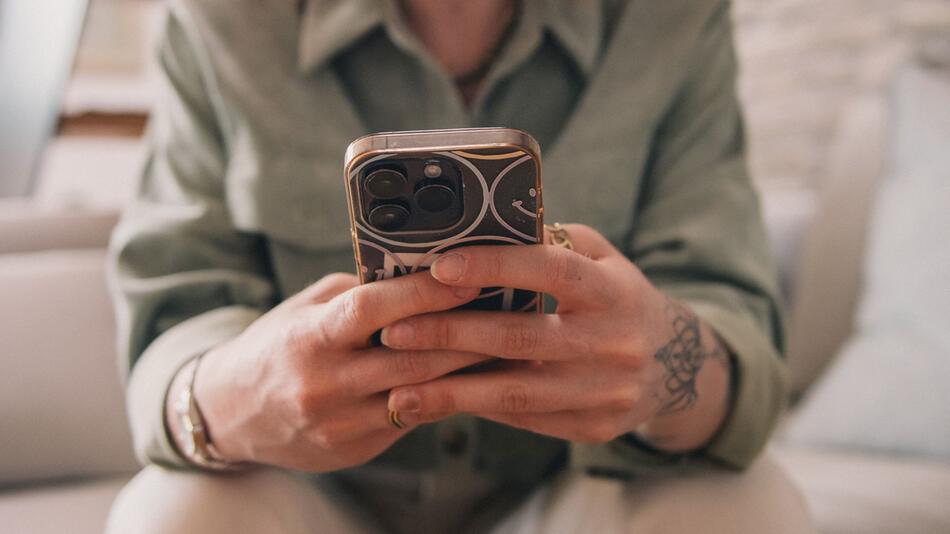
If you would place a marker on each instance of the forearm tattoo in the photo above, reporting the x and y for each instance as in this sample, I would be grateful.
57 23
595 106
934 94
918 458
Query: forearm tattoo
683 357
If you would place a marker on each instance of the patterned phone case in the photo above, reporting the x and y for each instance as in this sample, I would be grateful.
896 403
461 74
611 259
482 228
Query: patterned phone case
501 197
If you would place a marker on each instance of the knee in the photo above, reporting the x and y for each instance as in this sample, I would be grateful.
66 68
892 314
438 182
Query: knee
167 501
761 499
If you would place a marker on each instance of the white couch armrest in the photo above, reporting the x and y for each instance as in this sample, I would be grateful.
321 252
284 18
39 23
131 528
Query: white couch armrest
27 225
62 412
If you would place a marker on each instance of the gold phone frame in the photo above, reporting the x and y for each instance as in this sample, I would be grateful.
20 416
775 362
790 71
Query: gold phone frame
454 140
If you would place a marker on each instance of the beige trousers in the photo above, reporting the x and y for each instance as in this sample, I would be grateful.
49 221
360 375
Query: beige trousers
761 500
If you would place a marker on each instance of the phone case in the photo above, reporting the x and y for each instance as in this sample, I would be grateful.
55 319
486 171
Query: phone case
500 179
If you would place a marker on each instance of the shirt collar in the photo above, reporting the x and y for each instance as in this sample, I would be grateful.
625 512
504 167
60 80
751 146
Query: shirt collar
578 26
327 27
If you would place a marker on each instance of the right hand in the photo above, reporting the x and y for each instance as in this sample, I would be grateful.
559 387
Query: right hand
302 388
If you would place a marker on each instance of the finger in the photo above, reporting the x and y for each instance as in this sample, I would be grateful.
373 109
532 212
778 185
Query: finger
355 422
502 334
381 369
568 276
353 316
367 418
526 388
325 289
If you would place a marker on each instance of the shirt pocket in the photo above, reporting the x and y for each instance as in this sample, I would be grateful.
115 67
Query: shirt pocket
296 200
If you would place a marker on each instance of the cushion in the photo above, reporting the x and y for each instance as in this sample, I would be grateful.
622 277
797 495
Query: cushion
888 389
28 225
825 289
61 403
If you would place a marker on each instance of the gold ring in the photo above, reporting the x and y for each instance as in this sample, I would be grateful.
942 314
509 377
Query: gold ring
559 236
394 420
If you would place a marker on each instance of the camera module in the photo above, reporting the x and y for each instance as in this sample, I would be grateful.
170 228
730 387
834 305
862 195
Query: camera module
389 217
435 197
385 183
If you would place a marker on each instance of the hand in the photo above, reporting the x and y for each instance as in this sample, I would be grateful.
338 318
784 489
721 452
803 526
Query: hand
618 355
302 388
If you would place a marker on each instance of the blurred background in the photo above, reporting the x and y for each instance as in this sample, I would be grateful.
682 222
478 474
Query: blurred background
848 114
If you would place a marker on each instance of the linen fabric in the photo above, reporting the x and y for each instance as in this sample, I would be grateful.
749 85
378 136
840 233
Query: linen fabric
241 202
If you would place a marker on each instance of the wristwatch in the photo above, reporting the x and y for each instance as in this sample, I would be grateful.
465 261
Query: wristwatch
193 432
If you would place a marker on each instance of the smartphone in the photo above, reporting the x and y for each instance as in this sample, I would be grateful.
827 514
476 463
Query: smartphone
414 195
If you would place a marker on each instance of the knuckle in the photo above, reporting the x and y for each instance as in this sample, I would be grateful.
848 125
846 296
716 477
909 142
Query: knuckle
576 339
354 306
347 383
304 404
321 335
520 339
514 398
443 334
416 290
561 267
411 365
326 437
444 402
636 350
292 336
494 267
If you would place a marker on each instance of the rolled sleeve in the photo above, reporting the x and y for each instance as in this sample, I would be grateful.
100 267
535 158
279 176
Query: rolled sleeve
699 237
183 279
759 386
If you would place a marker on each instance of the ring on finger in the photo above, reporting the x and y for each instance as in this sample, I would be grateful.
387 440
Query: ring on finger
559 236
395 421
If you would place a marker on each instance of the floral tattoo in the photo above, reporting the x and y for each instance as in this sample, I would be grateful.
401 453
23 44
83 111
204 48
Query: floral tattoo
683 357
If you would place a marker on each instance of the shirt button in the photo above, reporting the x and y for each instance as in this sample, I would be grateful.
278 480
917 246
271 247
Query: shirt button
454 442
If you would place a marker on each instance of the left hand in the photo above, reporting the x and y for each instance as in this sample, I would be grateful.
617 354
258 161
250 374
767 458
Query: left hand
590 372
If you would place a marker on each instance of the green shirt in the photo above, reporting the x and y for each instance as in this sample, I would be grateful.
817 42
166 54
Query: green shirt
241 201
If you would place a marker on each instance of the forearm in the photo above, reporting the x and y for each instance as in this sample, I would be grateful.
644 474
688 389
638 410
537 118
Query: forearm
695 383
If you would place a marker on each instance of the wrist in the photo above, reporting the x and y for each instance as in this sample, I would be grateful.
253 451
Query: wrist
694 389
187 422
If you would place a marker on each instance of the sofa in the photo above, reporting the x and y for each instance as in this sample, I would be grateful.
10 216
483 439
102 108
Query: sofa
65 448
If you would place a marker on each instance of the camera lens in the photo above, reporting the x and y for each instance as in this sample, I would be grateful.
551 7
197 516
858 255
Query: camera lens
385 183
435 197
389 217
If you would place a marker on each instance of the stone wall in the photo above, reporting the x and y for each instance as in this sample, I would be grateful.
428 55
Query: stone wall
803 60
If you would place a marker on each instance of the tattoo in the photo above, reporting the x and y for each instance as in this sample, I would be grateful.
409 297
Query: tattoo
683 357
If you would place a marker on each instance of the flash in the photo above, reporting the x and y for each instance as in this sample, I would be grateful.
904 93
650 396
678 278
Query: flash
432 170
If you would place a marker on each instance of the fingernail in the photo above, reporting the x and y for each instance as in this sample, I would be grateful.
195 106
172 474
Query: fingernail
405 401
398 335
448 268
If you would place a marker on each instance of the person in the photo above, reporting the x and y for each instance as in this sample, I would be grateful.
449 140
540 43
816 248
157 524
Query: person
255 394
